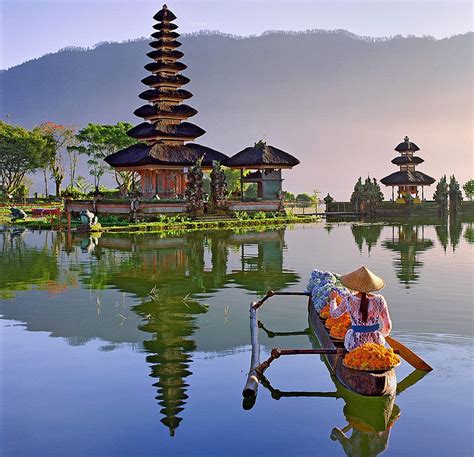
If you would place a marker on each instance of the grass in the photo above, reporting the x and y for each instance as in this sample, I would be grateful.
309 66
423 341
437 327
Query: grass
165 224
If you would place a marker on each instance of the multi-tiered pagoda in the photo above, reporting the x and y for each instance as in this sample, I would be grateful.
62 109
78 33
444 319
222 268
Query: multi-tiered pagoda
163 153
407 179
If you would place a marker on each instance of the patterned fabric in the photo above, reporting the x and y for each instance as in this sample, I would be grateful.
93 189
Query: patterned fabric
377 313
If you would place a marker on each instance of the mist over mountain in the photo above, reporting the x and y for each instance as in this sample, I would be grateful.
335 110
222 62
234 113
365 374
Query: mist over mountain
336 101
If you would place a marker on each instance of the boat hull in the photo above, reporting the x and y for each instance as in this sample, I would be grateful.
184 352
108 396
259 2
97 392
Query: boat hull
361 382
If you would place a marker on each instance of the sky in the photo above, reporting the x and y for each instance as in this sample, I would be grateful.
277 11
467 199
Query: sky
32 28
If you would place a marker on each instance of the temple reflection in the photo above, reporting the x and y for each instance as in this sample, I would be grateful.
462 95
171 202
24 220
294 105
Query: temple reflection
261 262
408 241
167 273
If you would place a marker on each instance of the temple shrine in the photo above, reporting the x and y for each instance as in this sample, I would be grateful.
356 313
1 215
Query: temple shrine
165 149
408 180
263 164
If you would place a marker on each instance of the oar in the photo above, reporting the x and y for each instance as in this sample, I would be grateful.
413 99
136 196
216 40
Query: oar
407 354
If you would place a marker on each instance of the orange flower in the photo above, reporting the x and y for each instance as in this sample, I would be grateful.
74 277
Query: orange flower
372 356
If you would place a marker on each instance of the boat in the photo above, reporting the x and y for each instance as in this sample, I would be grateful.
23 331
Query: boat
369 383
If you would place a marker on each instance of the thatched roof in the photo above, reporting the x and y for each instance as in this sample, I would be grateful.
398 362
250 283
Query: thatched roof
165 26
163 154
175 67
408 178
185 130
160 44
164 15
405 160
155 80
165 94
165 54
262 155
178 111
407 145
164 34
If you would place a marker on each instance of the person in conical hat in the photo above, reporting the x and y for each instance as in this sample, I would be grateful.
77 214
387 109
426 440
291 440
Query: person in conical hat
368 311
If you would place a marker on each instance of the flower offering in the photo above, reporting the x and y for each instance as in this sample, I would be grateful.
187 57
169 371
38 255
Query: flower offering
320 285
371 356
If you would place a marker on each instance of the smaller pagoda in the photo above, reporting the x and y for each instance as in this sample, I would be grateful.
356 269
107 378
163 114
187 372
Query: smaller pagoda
408 180
265 163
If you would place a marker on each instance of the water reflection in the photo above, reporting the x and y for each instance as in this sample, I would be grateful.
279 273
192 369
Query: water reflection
166 274
369 419
408 241
367 234
369 423
24 267
110 282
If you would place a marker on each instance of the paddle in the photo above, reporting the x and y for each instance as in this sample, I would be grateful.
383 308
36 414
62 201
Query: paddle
408 355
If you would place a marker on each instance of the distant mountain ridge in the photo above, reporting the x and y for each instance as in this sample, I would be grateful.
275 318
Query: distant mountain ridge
338 102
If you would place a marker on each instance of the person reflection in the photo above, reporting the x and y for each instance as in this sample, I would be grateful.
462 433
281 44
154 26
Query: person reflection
370 421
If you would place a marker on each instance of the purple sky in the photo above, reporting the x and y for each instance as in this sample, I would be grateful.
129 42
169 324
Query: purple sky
31 28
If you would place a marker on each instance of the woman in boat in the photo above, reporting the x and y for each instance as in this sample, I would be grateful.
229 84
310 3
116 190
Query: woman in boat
368 312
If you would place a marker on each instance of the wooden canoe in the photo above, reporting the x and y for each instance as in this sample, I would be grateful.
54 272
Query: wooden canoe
361 382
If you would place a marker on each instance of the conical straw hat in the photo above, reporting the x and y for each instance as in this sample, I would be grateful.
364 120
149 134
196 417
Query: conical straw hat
362 280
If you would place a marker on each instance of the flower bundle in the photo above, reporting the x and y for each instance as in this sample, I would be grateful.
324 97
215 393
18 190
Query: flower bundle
324 313
339 330
344 319
320 285
371 356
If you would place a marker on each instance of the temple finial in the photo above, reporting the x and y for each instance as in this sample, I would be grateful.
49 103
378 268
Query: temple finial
406 139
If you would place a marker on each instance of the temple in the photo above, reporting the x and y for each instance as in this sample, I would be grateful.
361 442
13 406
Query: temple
407 179
163 153
265 163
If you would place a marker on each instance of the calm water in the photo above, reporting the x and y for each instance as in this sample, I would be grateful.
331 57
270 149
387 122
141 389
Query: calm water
139 345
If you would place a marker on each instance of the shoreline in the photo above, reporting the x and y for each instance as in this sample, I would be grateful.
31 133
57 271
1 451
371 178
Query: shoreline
158 227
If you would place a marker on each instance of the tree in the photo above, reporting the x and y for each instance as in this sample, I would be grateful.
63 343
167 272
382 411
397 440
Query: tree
367 194
97 141
440 195
455 195
290 197
469 189
304 197
61 138
21 152
233 180
83 185
356 197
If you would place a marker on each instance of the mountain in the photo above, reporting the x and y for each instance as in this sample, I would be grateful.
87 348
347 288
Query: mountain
338 102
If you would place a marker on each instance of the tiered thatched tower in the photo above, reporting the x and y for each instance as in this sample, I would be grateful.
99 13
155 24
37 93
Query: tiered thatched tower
162 156
407 179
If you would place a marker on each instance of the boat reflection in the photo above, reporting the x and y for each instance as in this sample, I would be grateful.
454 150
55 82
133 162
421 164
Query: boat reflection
369 423
369 419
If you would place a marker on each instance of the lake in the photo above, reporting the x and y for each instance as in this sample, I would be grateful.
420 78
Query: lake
139 345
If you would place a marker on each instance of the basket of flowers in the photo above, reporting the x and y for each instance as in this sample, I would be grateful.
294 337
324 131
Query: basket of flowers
339 330
324 313
371 357
345 318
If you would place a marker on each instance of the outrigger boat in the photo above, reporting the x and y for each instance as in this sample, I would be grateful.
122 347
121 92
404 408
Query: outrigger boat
370 383
367 383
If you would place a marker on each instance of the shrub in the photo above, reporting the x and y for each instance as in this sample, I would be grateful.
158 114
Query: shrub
259 215
242 215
